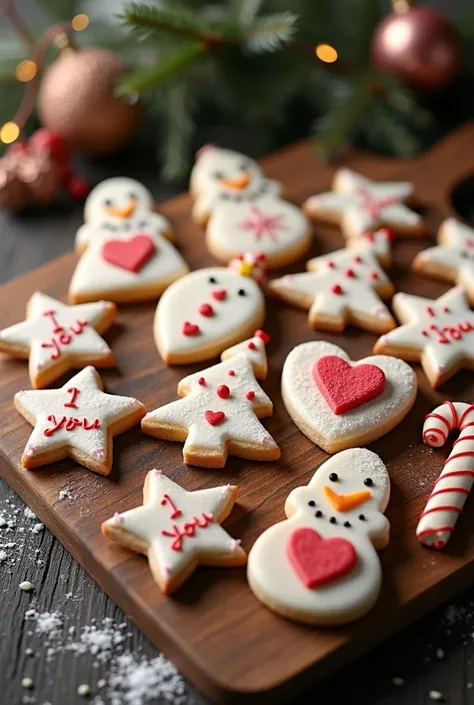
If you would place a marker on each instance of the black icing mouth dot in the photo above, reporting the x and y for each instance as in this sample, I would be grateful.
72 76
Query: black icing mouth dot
333 520
347 524
212 280
362 517
333 476
368 482
242 292
318 514
311 503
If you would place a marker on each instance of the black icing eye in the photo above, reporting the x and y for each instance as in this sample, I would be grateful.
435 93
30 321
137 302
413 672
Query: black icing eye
318 514
212 280
311 503
133 196
362 517
333 520
347 524
464 254
218 175
108 202
368 482
333 476
242 292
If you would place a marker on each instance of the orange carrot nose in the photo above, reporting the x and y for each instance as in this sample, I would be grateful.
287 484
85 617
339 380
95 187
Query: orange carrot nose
345 502
238 182
123 212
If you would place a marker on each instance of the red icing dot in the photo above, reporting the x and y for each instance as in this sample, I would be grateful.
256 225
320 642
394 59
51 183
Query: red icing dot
358 259
446 309
190 329
251 346
202 381
331 264
206 310
430 311
223 391
240 257
389 234
219 294
370 237
250 395
231 373
336 289
425 333
350 273
374 275
259 257
262 335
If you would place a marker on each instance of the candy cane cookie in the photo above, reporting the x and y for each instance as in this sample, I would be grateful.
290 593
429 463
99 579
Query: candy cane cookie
451 489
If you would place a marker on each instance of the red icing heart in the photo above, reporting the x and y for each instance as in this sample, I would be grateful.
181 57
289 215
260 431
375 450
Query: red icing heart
214 417
131 254
190 329
318 561
206 310
219 294
345 387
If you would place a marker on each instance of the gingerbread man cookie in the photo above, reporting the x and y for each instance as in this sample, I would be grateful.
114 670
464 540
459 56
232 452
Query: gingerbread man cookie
77 421
343 287
438 333
453 258
220 411
178 530
209 310
126 253
359 204
56 337
320 565
340 404
243 211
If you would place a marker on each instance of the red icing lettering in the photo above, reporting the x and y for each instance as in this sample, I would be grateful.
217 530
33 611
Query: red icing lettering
345 387
449 334
69 423
61 336
187 529
78 327
71 404
131 255
175 511
56 351
317 561
52 316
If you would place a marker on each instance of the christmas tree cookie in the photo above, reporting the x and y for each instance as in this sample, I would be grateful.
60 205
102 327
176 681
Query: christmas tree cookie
178 530
343 287
243 211
219 411
359 205
126 253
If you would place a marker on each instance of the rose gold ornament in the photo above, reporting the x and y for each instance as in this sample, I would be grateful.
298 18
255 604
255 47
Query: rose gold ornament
76 100
419 46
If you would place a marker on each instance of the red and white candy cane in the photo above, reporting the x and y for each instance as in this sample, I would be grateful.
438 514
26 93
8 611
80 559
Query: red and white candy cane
451 489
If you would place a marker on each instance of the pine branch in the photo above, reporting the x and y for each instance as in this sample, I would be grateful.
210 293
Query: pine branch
169 65
244 12
268 33
160 23
179 130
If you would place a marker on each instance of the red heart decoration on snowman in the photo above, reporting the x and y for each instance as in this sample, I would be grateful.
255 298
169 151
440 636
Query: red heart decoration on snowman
345 387
131 255
318 561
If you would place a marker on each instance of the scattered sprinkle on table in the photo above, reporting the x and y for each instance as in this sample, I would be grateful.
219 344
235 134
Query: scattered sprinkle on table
397 680
84 690
29 652
436 695
27 683
102 683
26 586
439 653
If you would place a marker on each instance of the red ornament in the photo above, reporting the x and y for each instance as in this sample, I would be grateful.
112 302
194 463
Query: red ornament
420 46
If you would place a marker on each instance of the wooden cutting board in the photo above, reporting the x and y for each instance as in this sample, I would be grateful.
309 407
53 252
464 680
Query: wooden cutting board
214 629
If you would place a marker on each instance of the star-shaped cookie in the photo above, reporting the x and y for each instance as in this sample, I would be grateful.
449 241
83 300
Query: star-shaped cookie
359 204
439 333
57 337
77 420
342 287
178 530
452 259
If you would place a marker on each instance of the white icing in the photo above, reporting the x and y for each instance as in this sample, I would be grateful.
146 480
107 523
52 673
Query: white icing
454 255
314 290
94 274
92 403
211 545
437 521
181 301
257 355
241 424
244 210
349 200
413 311
38 330
306 401
270 573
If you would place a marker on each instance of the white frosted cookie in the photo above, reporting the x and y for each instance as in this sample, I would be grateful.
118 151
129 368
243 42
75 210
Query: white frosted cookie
243 211
208 310
77 421
126 253
343 287
220 411
178 530
452 260
57 337
320 565
439 333
359 204
340 404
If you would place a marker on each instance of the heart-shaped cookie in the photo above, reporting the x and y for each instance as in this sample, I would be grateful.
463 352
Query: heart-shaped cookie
334 430
318 561
131 255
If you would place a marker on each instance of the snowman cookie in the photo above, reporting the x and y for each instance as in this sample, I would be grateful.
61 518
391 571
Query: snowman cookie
359 205
338 403
439 333
343 287
243 211
178 530
220 411
57 337
452 260
126 253
209 310
320 565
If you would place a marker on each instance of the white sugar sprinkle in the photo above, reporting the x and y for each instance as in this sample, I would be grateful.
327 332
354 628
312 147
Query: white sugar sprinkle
440 653
27 683
84 690
397 680
436 695
102 683
29 514
26 586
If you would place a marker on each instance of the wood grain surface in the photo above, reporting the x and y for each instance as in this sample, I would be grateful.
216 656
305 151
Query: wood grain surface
213 628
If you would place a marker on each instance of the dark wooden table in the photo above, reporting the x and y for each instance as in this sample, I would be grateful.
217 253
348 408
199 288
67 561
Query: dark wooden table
433 655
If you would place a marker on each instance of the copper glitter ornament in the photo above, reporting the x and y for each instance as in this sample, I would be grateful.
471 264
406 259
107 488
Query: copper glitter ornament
419 46
76 100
